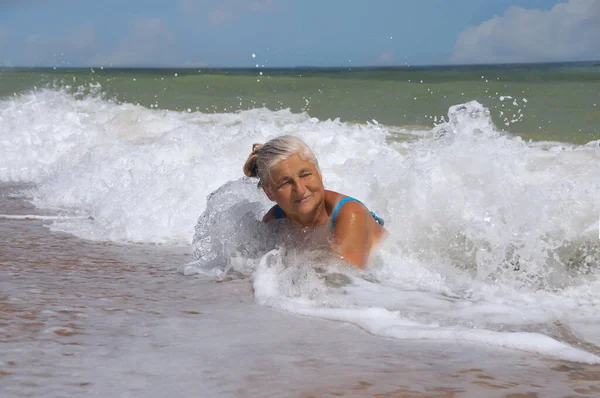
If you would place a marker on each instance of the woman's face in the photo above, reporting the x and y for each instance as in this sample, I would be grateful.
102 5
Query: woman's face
297 187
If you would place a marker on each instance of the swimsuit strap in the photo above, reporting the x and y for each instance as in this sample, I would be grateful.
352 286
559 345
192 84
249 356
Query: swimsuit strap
349 199
278 212
378 219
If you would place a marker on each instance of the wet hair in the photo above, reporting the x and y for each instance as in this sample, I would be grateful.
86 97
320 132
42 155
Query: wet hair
264 157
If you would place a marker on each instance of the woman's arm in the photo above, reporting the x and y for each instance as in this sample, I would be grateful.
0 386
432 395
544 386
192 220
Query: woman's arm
352 234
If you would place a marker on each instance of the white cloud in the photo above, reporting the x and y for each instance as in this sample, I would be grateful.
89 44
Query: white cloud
82 38
194 63
58 50
387 58
188 5
4 36
149 42
221 12
569 31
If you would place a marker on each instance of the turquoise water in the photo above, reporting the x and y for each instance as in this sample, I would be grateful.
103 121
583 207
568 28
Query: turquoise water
556 102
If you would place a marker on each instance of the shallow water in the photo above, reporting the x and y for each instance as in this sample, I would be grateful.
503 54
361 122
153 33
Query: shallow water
81 318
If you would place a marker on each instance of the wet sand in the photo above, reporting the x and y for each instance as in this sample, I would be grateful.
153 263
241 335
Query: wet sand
80 318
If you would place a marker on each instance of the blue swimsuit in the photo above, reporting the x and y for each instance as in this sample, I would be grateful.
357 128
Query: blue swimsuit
279 211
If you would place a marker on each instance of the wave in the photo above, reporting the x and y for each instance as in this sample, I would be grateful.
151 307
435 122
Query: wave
492 238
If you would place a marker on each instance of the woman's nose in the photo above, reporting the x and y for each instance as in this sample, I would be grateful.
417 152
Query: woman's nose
300 187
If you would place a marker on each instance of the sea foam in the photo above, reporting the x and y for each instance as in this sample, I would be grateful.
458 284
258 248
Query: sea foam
492 239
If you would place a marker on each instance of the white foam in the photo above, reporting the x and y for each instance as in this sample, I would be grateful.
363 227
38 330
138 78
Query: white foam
144 174
350 306
490 236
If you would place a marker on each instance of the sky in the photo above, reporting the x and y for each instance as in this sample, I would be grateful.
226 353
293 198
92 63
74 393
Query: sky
287 33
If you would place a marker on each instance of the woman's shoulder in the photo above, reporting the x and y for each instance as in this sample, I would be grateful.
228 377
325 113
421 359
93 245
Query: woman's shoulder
350 215
343 204
271 214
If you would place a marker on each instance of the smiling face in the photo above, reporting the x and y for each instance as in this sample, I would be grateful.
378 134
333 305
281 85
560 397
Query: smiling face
297 187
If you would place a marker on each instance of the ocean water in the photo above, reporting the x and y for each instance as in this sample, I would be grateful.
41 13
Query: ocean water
550 102
488 182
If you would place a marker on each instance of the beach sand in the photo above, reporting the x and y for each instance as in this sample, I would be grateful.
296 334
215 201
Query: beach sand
81 318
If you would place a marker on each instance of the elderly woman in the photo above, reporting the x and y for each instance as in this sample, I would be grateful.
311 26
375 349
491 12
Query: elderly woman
289 174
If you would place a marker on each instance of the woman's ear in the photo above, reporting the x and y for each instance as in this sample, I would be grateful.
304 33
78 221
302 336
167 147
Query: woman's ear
268 193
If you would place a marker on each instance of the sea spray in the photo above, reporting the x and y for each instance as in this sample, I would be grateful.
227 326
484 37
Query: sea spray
490 236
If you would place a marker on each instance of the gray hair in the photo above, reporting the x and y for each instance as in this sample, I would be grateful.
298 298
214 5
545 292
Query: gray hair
264 157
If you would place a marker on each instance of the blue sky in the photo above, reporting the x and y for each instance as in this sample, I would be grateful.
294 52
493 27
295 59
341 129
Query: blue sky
281 33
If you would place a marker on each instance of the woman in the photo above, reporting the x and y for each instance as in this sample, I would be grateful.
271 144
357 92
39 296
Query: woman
289 174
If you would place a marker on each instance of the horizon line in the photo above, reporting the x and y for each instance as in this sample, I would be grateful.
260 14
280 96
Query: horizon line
309 67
